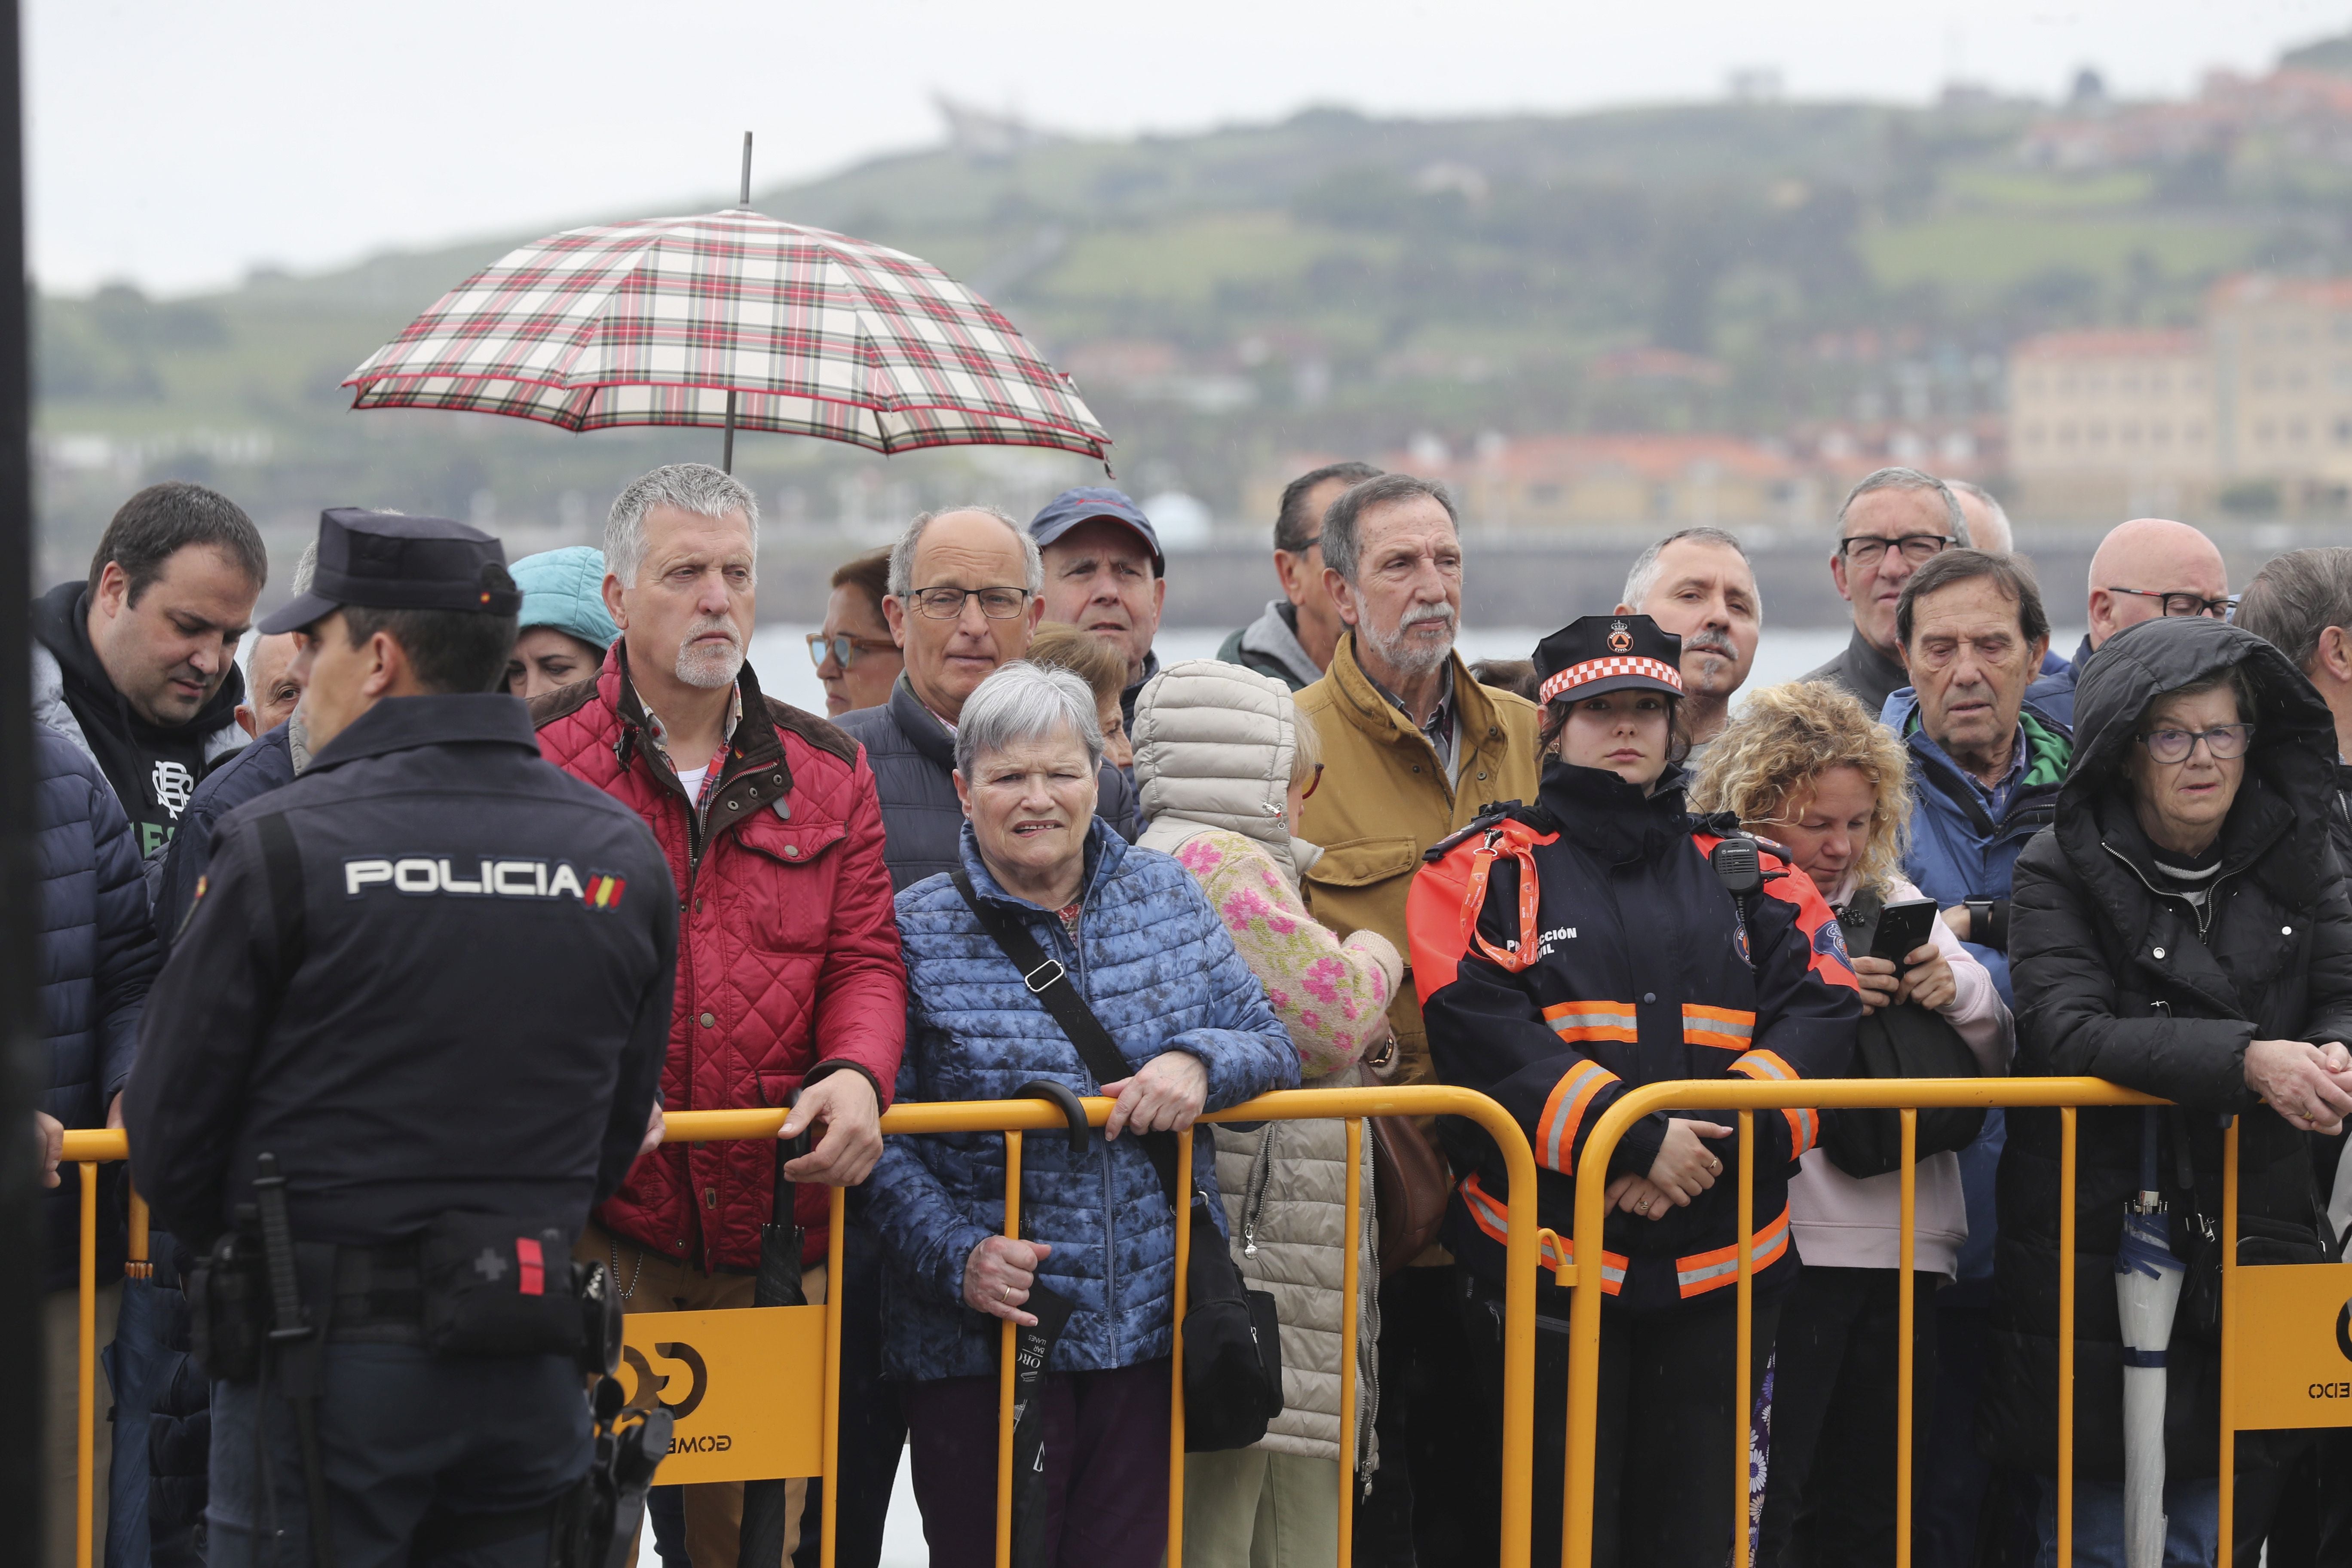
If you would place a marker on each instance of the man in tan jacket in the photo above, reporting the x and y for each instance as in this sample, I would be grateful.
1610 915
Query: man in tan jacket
1413 749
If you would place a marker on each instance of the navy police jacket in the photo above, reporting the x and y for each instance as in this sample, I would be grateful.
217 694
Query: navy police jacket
1568 952
431 974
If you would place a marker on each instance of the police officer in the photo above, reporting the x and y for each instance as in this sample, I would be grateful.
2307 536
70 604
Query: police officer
432 979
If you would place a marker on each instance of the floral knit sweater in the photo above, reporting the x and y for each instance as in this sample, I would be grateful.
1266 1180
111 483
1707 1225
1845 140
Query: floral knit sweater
1332 995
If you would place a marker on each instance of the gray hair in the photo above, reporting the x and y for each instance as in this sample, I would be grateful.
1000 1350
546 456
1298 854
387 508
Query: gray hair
2297 597
902 554
306 568
1645 575
694 488
1911 480
1023 702
1343 533
1991 504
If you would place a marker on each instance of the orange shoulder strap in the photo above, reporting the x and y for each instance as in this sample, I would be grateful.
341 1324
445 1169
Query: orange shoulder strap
1506 839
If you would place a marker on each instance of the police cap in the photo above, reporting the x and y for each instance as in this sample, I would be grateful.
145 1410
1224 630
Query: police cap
1597 654
385 561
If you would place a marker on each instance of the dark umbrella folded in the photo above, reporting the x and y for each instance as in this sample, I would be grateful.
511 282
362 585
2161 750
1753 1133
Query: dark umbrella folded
766 1514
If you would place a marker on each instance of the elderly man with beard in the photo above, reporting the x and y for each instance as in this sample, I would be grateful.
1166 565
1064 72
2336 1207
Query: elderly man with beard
1698 584
789 978
1415 750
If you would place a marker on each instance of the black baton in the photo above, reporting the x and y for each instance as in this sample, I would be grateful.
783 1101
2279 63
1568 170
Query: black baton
294 1347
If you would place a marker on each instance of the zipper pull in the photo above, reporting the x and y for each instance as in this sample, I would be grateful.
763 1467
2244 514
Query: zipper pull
1249 1239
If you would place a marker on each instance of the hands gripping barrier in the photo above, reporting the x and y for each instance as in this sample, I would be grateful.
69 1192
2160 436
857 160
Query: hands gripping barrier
802 1439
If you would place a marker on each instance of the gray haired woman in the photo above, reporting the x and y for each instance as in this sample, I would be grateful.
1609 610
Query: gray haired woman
1196 1033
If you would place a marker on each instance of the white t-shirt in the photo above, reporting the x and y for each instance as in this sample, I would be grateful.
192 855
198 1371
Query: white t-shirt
692 780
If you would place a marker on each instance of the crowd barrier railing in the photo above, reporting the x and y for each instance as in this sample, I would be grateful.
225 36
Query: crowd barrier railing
2282 1330
761 1385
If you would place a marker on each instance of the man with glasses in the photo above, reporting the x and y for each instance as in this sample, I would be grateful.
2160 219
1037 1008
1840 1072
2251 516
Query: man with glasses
857 658
2146 568
1893 522
1292 640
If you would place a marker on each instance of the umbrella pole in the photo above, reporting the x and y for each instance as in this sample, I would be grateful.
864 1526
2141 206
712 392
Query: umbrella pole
727 452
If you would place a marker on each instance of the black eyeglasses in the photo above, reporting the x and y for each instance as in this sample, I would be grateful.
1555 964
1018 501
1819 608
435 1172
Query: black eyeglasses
1869 549
2223 743
843 648
2180 606
947 604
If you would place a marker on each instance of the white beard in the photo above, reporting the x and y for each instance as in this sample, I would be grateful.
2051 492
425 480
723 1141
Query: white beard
1409 655
706 665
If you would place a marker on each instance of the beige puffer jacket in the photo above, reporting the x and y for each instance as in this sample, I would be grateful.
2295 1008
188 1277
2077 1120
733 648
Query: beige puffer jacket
1213 750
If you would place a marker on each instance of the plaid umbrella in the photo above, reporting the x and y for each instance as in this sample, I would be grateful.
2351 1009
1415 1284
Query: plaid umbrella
671 320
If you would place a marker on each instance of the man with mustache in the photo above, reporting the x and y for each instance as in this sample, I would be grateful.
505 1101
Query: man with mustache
1698 584
789 979
1892 523
1413 751
137 666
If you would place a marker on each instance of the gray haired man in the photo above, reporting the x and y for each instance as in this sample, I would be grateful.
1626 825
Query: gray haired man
1698 584
1893 522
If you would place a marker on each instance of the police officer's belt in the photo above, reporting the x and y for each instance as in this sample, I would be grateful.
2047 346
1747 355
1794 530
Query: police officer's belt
378 1295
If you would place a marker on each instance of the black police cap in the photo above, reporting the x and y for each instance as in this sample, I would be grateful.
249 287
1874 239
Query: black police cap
383 561
1597 654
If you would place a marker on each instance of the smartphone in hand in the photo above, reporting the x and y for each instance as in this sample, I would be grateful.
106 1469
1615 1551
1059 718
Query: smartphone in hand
1903 930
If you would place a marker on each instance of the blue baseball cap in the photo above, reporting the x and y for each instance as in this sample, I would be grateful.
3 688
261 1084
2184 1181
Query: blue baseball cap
565 589
1089 503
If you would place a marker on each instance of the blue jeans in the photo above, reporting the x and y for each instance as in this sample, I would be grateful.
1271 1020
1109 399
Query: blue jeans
2192 1524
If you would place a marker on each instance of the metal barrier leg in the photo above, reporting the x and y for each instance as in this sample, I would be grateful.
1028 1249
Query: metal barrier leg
837 1281
86 1416
1006 1367
1907 1313
2066 1120
1351 1282
1176 1352
1743 1352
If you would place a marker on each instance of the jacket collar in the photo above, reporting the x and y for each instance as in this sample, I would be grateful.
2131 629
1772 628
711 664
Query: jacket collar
921 725
754 744
1275 635
1370 710
1867 668
1105 850
1615 820
441 719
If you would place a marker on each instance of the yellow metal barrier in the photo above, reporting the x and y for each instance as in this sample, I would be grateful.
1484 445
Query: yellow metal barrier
758 1445
1910 1096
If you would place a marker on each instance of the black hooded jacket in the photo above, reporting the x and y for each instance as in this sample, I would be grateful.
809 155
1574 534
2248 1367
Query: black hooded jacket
2117 980
153 767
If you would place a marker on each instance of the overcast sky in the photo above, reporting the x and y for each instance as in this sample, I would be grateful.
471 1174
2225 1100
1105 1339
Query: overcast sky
177 144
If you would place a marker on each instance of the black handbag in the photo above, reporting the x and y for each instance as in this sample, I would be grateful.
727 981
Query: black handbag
1233 1344
1906 1041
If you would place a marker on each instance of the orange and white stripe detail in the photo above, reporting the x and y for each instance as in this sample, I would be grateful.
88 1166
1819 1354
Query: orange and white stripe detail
1563 1113
1582 1021
1724 1028
1704 1271
1494 1219
1766 1066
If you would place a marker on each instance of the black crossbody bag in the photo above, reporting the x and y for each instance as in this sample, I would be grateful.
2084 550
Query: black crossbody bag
1233 1344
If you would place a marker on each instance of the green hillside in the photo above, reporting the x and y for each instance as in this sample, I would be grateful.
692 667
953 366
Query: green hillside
1329 282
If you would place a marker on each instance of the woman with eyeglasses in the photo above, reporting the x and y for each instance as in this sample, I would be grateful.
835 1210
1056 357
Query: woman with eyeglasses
854 653
2181 929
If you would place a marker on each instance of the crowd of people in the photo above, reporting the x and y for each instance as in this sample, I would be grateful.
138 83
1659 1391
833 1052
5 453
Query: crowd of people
1335 855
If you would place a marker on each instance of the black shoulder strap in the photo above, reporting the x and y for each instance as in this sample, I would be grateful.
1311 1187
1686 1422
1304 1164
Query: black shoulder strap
1859 920
1050 982
282 858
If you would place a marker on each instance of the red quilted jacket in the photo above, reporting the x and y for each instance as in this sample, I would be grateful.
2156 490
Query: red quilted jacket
788 964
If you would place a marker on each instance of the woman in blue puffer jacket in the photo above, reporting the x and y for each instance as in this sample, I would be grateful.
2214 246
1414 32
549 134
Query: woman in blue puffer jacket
1154 962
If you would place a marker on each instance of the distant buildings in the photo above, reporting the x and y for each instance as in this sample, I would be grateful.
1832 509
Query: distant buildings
2251 414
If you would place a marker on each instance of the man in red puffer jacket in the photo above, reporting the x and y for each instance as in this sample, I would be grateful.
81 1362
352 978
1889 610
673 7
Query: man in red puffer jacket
789 977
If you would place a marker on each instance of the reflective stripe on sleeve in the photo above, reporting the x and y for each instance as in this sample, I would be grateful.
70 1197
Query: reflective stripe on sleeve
1804 1126
1724 1029
1494 1219
1563 1113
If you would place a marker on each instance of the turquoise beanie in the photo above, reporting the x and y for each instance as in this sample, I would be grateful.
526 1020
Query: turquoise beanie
565 589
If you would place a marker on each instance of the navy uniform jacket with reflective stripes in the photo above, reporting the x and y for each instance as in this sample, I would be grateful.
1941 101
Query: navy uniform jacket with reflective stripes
1638 974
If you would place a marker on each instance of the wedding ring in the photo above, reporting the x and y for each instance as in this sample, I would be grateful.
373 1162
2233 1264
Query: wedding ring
1642 1208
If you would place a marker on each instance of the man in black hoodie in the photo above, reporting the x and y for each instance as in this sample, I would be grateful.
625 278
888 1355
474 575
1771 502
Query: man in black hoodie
137 666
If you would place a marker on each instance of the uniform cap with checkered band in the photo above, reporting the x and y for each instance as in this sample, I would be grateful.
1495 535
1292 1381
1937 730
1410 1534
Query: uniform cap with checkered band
1597 654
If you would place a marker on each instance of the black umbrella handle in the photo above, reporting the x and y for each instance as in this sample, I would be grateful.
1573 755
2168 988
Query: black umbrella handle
1061 1094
